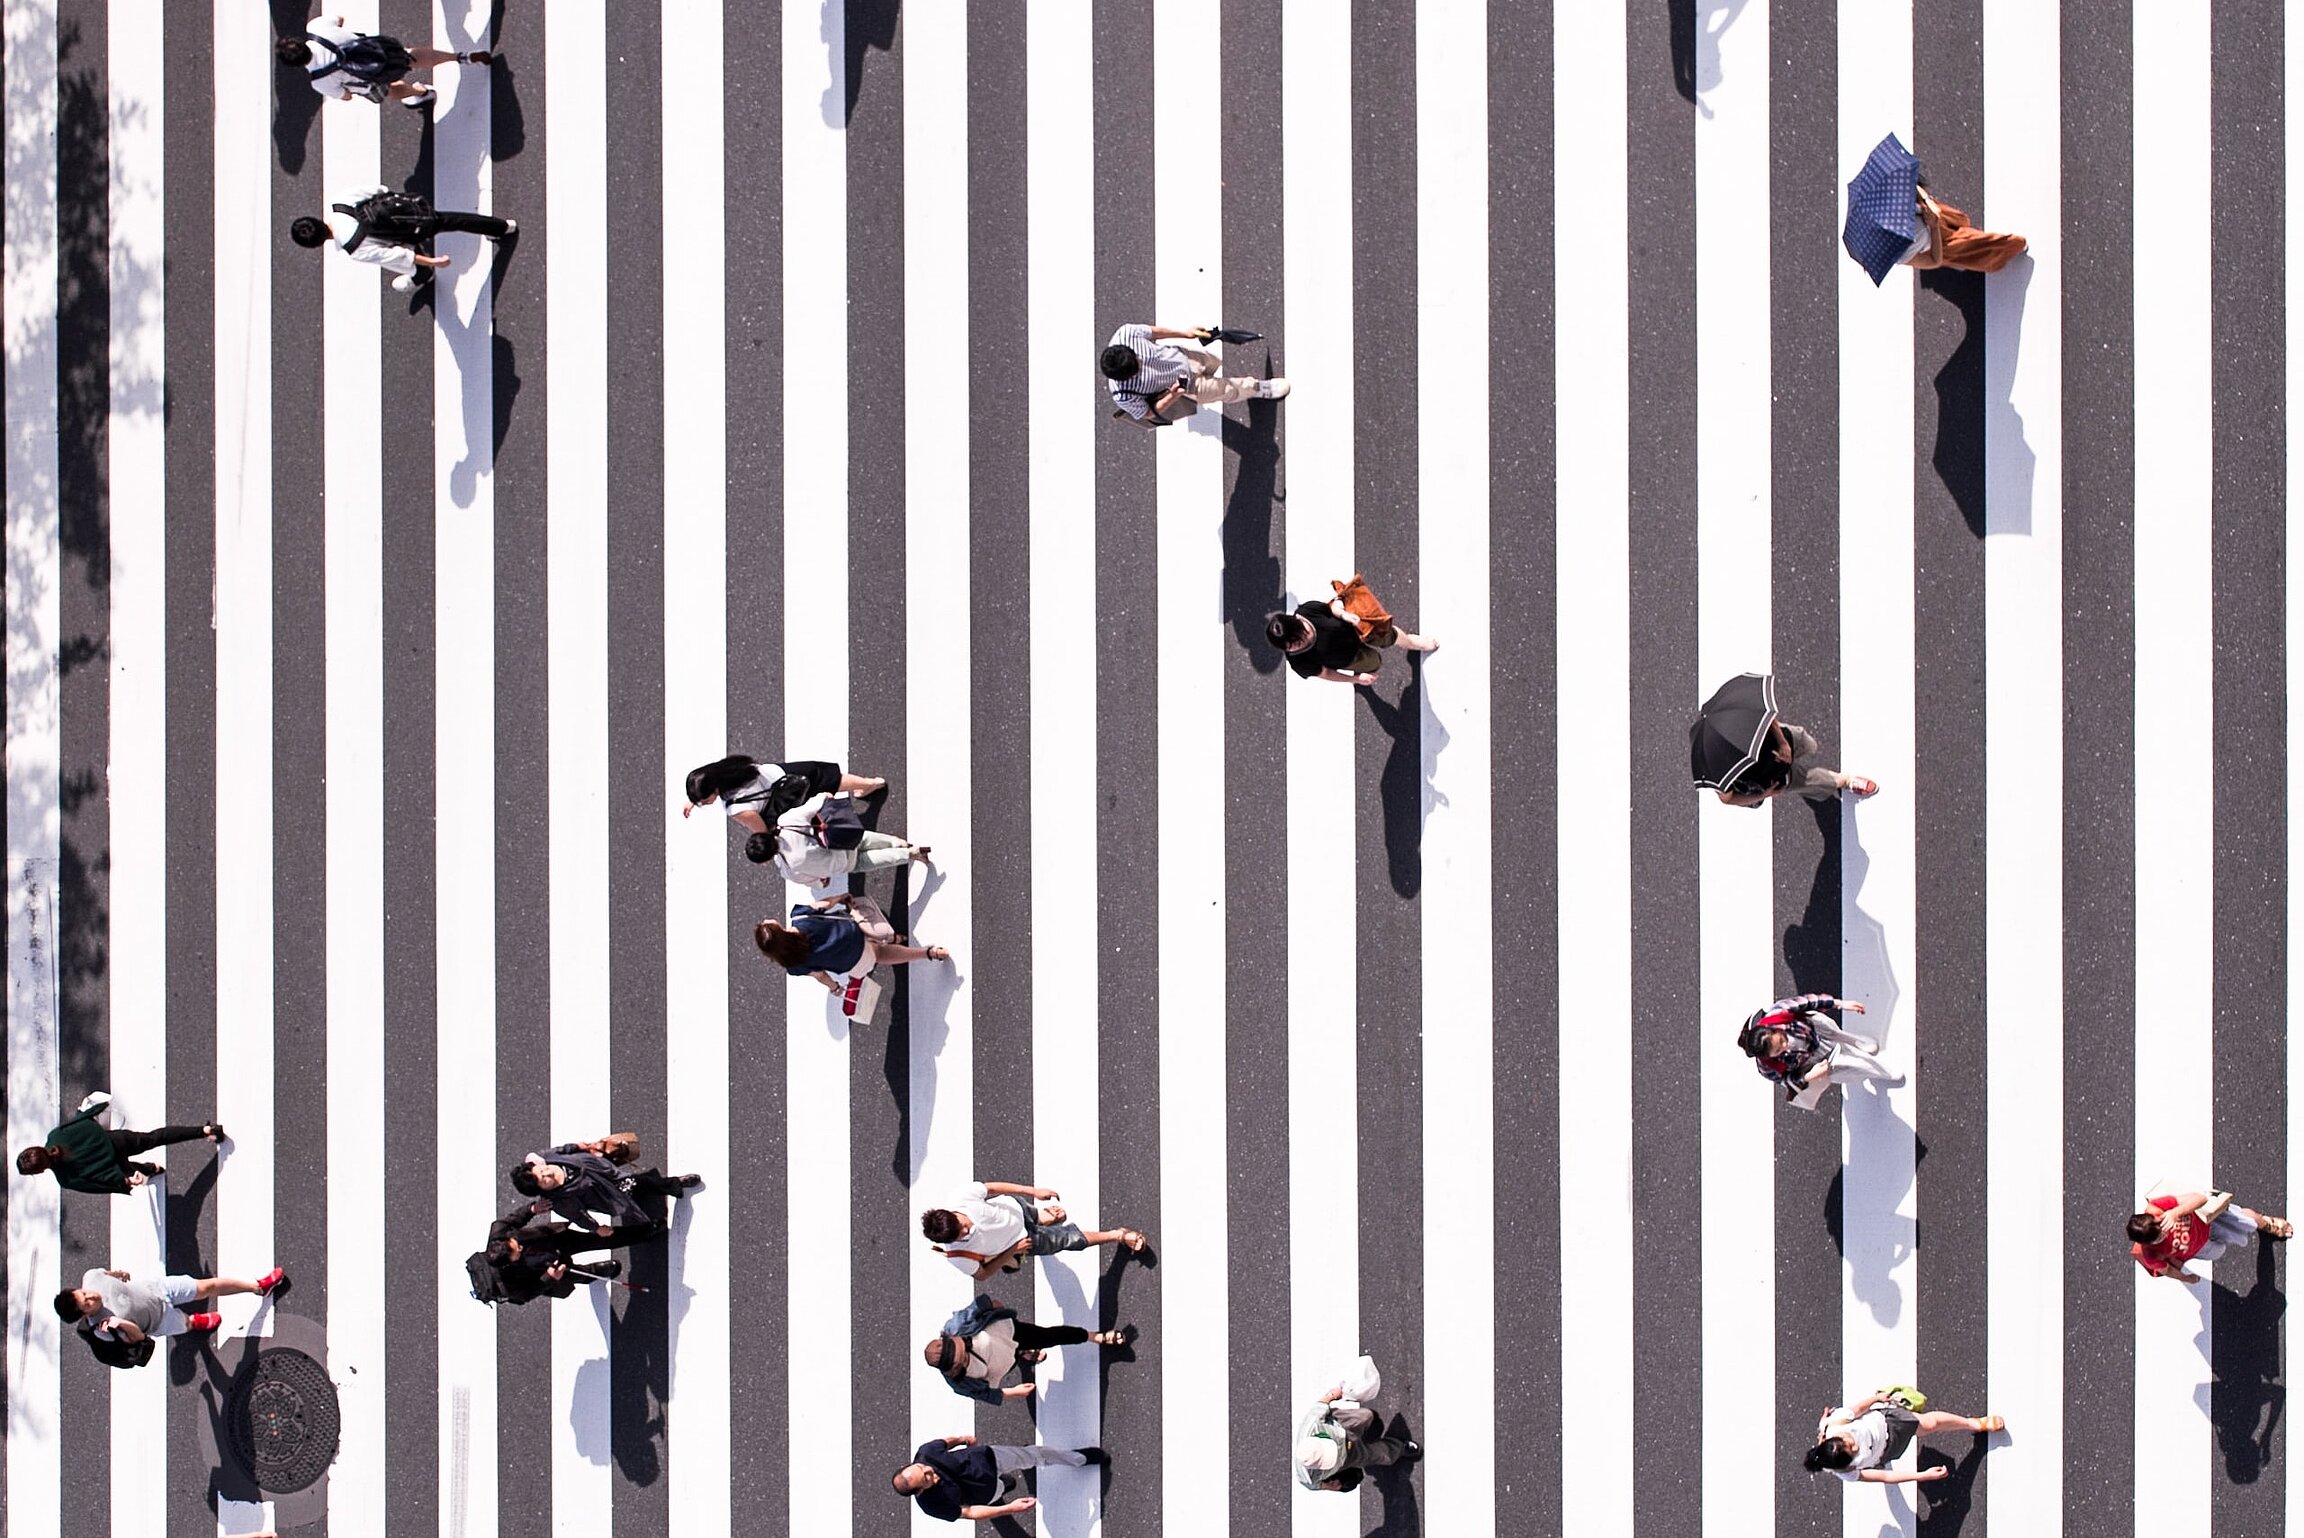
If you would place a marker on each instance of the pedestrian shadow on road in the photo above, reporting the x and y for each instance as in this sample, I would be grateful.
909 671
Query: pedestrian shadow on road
295 105
1404 786
1945 1502
640 1379
1395 1489
1975 400
866 24
2246 1397
1252 582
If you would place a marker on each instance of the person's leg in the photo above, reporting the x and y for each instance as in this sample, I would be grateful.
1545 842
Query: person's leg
1127 1236
881 851
1855 1063
452 220
2276 1227
862 784
1039 1337
1833 1033
1014 1460
128 1144
1944 1420
409 91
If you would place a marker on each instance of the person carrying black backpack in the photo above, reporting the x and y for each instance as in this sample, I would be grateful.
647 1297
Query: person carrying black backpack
389 229
343 64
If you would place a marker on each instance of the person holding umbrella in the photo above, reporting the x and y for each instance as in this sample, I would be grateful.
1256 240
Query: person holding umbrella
1892 219
1154 383
1740 749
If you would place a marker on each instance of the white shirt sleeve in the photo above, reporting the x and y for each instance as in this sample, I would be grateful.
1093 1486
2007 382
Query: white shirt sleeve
974 1191
384 254
337 84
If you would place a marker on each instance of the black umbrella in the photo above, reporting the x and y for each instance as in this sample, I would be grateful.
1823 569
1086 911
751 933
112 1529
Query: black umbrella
1730 734
1232 335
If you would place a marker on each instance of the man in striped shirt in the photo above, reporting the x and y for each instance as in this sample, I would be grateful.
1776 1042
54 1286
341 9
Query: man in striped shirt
1156 383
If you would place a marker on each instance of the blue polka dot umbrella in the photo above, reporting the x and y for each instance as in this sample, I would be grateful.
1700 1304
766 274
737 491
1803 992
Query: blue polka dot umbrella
1883 217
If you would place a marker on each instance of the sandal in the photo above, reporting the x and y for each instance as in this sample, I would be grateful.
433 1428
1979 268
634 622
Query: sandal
2278 1228
920 853
1990 1424
938 953
1862 788
1032 1354
1119 1337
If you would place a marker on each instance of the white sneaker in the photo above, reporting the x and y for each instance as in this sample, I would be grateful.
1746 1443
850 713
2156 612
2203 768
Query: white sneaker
511 228
96 1097
1272 389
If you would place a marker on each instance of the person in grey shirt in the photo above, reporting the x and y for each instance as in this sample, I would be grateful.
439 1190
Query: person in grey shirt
1335 1440
1155 383
114 1306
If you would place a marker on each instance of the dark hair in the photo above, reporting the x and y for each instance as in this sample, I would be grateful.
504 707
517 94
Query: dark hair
760 848
1750 1038
788 948
719 777
292 50
308 232
939 1354
940 1226
524 1179
1828 1453
2144 1227
1281 629
500 1252
67 1306
1118 361
32 1161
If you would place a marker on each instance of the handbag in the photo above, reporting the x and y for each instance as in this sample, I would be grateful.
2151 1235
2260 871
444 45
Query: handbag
620 1147
834 825
2213 1207
870 917
1364 606
859 999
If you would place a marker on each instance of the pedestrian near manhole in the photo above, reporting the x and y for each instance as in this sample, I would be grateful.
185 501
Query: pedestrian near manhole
1153 382
115 1309
2176 1228
1344 639
344 64
1858 1441
959 1477
391 230
984 1343
85 1155
991 1226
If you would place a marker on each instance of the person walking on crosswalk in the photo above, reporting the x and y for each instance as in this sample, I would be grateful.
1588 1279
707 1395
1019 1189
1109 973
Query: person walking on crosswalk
823 839
1338 642
112 1306
1857 1443
983 1343
389 229
2173 1230
988 1228
1947 239
618 1205
754 794
1793 1042
959 1477
1338 1438
825 942
342 63
1154 383
85 1155
1790 764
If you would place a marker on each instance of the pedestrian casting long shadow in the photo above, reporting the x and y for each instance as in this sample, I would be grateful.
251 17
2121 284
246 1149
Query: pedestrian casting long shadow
1395 1489
1945 1502
295 105
1687 20
2246 1397
639 1345
1252 583
1975 401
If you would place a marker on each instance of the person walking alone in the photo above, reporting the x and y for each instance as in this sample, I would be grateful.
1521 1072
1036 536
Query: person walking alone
342 64
956 1477
1154 383
114 1306
989 1224
1793 1042
390 229
826 943
1338 642
85 1155
1858 1442
983 1343
2171 1231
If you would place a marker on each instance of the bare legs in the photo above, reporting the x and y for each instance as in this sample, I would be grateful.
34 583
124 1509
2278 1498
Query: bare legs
862 784
1944 1420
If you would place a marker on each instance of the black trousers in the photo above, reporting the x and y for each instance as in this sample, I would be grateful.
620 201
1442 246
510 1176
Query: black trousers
448 221
1038 1337
129 1144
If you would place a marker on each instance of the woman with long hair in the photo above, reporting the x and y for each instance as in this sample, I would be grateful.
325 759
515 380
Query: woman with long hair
746 788
826 941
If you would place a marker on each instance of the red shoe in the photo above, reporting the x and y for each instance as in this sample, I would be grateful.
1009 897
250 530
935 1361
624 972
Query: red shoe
203 1322
270 1280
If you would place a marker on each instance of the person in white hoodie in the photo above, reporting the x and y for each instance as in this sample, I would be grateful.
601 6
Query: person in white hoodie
799 850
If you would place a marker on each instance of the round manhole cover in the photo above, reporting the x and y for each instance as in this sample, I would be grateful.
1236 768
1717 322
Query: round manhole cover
282 1420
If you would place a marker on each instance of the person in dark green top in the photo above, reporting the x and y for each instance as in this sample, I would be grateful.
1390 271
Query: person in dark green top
86 1155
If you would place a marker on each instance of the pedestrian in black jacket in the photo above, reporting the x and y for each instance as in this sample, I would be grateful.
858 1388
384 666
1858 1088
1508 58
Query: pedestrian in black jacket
85 1155
619 1206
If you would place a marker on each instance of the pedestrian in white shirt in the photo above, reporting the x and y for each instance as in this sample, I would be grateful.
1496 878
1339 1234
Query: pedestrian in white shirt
1155 383
390 229
985 1227
343 64
802 856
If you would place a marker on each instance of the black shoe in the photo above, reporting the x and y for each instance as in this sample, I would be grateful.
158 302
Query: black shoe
1097 1457
689 1182
477 56
606 1269
1411 1452
215 1132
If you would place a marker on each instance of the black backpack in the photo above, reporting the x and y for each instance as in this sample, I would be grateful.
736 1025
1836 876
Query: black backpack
118 1353
785 793
487 1282
398 217
371 60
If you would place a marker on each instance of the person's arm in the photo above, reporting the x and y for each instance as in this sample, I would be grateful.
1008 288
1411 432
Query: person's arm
123 1329
1010 1188
990 1513
1337 676
1017 1391
831 983
750 821
1745 797
1168 334
2186 1204
959 1441
1901 1477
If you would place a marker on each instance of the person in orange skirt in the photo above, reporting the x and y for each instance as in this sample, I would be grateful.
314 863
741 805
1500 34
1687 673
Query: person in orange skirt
1953 242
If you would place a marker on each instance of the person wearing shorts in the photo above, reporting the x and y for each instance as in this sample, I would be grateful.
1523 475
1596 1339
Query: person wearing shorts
1859 1441
990 1226
2194 1225
114 1306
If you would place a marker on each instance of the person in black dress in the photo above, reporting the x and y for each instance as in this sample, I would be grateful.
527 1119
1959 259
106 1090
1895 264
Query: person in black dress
1323 640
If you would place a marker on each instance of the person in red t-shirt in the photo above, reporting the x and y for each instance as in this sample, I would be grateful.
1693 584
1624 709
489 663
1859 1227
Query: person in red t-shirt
2192 1225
